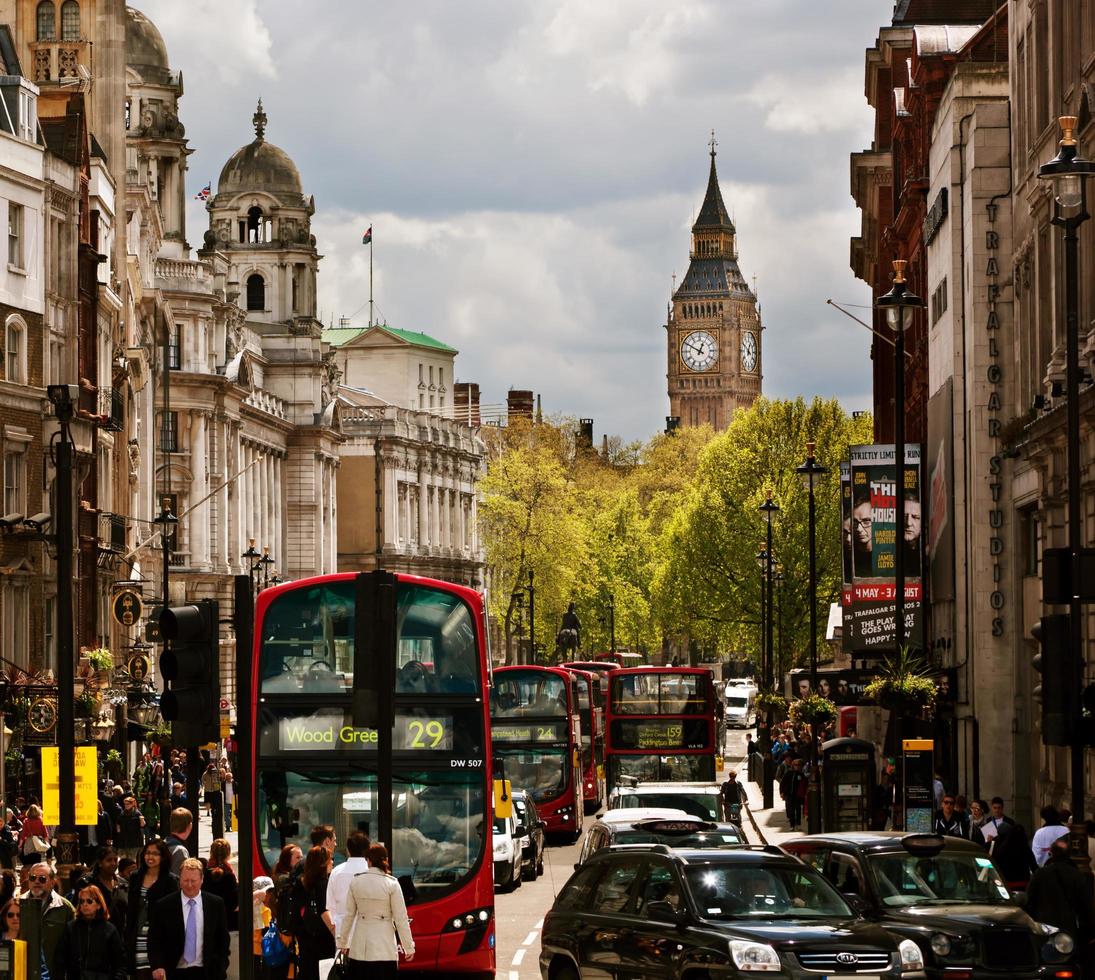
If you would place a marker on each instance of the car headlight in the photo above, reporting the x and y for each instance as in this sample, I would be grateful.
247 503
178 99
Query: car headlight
500 848
754 957
941 945
911 957
1059 943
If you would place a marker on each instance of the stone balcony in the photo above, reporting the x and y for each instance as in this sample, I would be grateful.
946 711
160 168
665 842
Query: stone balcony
184 275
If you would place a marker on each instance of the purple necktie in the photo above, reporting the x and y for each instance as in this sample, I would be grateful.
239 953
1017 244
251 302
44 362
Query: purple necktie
190 946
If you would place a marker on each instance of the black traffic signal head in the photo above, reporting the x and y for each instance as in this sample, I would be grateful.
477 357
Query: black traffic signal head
190 664
1059 690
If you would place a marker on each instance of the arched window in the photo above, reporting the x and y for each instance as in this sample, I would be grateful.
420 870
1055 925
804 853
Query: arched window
256 292
70 20
47 21
15 350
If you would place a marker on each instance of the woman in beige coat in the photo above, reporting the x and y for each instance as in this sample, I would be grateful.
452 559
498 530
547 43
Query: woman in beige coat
375 912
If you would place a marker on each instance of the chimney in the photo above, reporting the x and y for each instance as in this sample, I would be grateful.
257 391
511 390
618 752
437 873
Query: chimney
585 433
465 396
604 446
519 403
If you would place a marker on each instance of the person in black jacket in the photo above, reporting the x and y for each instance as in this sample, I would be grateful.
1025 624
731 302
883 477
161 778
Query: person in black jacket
151 882
312 923
1059 895
168 938
90 947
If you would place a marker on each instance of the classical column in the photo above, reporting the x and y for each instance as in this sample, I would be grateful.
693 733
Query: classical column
198 521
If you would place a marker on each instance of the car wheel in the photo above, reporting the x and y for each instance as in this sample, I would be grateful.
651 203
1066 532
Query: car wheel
528 872
566 973
516 876
540 865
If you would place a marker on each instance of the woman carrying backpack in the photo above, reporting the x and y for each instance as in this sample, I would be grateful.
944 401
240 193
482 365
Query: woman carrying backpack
312 923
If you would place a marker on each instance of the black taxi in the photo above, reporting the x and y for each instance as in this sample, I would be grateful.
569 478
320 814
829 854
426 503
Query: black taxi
638 912
946 895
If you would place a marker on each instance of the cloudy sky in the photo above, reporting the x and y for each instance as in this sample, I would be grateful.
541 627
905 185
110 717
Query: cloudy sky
531 171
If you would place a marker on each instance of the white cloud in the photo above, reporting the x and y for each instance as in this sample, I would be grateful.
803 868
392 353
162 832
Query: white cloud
226 39
531 168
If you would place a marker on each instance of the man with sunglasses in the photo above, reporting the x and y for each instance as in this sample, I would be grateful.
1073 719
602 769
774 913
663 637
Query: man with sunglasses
45 914
948 821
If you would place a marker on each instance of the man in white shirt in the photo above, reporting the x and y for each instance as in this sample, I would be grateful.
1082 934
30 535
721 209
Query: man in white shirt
1045 836
338 885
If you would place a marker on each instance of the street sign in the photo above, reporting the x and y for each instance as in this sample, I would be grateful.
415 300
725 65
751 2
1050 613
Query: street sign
152 632
919 797
126 607
137 666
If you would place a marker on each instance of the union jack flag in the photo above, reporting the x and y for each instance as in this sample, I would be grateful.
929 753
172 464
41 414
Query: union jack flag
203 194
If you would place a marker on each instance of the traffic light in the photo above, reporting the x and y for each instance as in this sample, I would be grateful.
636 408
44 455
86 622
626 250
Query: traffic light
191 666
1061 680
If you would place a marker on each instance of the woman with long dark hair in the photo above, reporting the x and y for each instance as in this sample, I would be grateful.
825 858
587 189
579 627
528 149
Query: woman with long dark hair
312 923
220 880
147 885
375 913
90 945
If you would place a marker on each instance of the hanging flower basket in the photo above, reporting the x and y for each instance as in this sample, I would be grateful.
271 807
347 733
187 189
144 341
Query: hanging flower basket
902 686
774 705
100 662
814 710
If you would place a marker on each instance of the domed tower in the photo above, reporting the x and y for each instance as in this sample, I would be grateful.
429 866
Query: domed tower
714 327
261 220
156 140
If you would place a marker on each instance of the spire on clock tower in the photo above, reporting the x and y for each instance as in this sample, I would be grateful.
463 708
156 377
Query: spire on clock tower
714 325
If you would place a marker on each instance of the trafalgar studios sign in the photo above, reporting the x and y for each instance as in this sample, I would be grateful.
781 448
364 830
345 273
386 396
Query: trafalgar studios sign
870 484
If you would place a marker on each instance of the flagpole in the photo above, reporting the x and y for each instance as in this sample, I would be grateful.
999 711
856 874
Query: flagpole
370 278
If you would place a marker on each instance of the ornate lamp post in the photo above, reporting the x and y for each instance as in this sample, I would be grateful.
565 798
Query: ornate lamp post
768 508
1069 172
251 556
900 307
811 471
266 562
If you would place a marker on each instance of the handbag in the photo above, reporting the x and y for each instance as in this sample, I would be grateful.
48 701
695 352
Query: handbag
35 845
274 952
339 969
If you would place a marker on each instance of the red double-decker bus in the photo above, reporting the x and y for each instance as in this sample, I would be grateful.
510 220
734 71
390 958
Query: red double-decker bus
370 714
536 736
660 725
591 712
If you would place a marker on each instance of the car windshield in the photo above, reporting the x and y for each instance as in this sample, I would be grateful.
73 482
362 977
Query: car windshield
944 879
540 772
736 702
751 891
500 826
702 805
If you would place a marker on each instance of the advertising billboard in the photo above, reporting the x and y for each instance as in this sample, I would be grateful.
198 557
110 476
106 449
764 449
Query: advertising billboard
869 599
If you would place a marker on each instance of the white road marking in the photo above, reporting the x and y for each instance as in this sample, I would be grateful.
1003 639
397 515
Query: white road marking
514 975
531 937
518 957
539 925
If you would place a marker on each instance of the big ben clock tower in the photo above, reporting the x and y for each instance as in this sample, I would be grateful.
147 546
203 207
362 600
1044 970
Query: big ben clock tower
714 364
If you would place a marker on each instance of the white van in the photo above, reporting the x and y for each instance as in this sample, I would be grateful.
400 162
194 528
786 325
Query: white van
741 706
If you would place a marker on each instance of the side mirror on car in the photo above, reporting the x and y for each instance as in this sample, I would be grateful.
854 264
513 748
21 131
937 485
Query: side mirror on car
1019 898
665 912
577 865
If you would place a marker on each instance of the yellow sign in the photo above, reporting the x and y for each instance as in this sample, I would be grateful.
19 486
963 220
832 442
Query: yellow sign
87 773
503 799
226 727
86 770
917 745
51 780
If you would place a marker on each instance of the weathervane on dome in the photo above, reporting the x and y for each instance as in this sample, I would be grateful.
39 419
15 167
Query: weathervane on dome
259 120
714 142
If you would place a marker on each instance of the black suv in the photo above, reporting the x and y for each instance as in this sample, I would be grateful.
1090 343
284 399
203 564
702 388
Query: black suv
636 911
944 893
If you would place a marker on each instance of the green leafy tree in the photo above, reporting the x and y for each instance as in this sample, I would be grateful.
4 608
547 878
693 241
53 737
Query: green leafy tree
708 581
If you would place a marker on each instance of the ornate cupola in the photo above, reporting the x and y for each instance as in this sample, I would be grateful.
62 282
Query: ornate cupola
260 218
714 364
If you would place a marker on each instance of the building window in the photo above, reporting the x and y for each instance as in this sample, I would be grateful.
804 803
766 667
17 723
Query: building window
70 20
49 633
28 116
1030 545
15 350
169 432
15 481
15 235
256 292
174 344
15 603
441 378
47 21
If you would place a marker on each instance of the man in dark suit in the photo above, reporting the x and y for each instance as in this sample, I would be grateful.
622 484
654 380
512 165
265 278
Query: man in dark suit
188 932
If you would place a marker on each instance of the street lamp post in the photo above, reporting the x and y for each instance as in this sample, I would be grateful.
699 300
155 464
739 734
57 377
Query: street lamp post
768 508
251 556
265 562
1069 172
810 471
611 623
900 307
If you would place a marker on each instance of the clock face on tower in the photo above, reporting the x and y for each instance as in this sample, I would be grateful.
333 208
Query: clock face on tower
748 352
699 351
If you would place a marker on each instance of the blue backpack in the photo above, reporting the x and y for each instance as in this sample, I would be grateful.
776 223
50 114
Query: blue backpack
274 952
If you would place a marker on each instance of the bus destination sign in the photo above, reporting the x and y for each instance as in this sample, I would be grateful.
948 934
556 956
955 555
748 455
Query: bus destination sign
659 735
412 733
550 732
